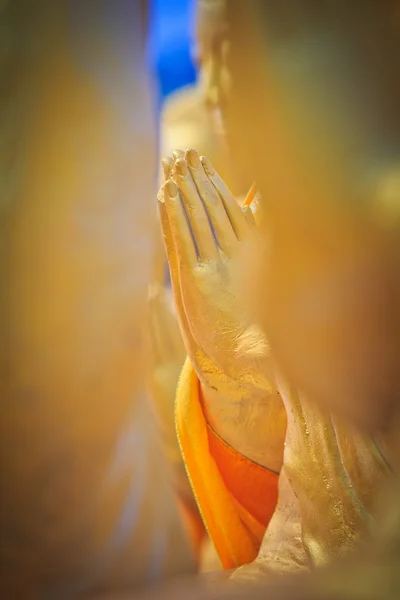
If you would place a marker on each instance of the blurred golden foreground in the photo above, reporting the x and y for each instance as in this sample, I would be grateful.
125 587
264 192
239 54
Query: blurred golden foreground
309 96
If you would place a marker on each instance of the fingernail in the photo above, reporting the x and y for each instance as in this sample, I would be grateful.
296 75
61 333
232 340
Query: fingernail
166 167
209 169
171 188
193 158
181 167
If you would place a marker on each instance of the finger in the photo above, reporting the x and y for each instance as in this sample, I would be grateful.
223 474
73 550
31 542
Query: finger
248 213
212 201
182 235
232 208
177 154
167 164
196 212
174 274
168 238
170 252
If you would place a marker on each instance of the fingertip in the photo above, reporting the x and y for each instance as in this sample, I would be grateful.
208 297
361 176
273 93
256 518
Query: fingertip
181 167
209 169
161 194
176 154
167 164
192 158
171 189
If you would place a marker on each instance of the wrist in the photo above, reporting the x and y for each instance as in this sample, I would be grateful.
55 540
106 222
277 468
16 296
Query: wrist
252 425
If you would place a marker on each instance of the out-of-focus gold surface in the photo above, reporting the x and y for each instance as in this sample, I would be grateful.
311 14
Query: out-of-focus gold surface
84 497
327 285
325 282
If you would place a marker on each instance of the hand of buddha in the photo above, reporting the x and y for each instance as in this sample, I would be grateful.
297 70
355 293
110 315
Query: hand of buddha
167 353
210 233
205 232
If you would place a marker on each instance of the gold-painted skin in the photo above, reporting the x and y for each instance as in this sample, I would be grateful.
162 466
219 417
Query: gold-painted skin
230 356
337 479
333 473
186 120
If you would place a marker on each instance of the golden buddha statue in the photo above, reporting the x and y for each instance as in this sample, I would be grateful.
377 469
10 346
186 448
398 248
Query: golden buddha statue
186 120
233 386
190 117
316 299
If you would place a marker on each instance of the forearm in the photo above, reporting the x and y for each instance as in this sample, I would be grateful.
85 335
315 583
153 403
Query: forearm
253 424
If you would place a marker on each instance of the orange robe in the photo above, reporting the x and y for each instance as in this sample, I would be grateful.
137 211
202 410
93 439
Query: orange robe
236 497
